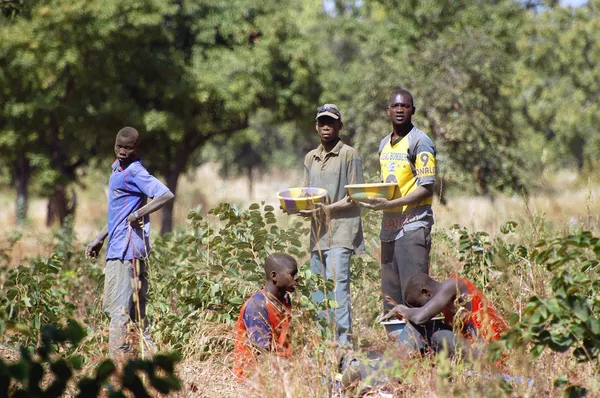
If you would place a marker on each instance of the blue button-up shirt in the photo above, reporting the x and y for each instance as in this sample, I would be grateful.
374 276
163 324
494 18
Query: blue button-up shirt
129 189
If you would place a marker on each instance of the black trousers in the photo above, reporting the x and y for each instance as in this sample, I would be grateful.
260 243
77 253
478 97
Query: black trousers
402 258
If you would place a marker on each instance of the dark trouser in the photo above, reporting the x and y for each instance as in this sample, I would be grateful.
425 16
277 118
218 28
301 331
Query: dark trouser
402 258
434 335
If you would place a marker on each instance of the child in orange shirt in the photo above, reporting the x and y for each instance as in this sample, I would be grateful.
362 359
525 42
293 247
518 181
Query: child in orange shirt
466 311
468 318
265 318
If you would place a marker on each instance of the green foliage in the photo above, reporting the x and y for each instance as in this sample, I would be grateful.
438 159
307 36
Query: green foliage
200 277
54 372
489 79
54 88
557 82
46 290
182 72
213 271
33 296
569 318
484 259
456 60
7 247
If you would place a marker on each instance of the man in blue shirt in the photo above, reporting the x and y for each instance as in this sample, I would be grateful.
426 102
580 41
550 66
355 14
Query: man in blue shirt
128 248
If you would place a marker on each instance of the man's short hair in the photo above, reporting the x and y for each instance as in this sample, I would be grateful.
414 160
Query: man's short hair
402 92
414 286
129 132
277 262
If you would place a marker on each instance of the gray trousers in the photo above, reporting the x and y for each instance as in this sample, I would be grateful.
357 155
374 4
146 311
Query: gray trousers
402 258
434 335
125 299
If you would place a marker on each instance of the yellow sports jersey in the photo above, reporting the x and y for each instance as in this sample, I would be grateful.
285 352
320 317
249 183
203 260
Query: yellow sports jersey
410 162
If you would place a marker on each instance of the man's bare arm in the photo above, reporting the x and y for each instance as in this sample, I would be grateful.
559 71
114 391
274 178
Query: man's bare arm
322 209
155 204
416 196
342 204
441 299
95 245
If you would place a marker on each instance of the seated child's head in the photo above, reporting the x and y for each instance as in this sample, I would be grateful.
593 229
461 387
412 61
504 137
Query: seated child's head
281 270
418 290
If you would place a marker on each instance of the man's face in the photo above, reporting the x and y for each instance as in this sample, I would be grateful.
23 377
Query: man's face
400 109
287 278
125 148
328 128
419 299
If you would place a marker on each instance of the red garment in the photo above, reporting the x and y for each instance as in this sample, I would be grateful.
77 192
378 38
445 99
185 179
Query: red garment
264 324
482 321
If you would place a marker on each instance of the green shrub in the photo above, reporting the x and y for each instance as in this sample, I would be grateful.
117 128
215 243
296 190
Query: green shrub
205 274
33 295
483 258
47 374
569 316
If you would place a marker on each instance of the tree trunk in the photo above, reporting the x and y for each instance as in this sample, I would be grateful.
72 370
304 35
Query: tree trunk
192 140
21 175
250 171
167 211
439 190
59 206
577 148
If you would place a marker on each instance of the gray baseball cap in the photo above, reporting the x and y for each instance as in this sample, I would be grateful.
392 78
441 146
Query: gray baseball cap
330 110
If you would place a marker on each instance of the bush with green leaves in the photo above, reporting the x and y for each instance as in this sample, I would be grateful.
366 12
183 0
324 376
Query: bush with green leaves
32 295
47 374
564 317
483 257
205 273
47 290
7 247
569 317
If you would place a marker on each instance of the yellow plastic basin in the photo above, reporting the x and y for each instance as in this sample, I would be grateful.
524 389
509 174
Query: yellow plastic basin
360 192
302 198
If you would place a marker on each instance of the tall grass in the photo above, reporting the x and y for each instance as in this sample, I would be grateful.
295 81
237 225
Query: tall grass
565 208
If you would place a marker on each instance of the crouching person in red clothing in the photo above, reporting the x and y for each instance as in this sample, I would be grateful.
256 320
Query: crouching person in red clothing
265 319
469 318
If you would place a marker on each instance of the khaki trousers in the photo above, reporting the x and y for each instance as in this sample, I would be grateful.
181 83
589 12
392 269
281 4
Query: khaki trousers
124 301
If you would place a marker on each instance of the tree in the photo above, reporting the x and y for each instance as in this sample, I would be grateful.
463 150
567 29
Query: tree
225 62
559 82
13 147
182 71
455 59
265 145
52 97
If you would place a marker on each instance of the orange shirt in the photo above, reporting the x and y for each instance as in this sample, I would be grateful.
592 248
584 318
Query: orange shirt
263 325
482 321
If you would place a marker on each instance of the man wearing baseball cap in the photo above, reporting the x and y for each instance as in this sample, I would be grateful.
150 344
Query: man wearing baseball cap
336 229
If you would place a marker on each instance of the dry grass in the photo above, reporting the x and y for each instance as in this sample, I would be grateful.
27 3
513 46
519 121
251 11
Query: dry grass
310 373
571 205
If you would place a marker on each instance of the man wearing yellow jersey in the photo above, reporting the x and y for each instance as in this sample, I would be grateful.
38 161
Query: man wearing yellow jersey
407 158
